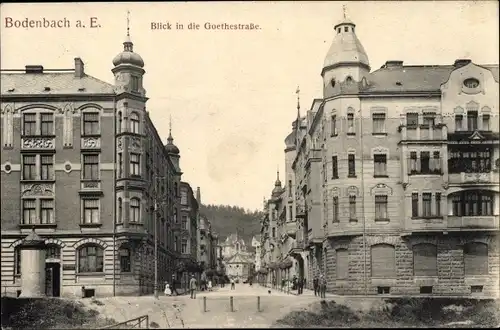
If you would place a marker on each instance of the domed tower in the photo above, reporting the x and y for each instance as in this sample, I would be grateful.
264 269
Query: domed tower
128 69
172 149
130 113
346 60
277 186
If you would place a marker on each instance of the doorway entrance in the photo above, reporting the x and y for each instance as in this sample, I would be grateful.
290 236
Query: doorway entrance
53 279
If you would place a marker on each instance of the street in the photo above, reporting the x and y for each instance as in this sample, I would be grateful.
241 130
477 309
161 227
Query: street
184 312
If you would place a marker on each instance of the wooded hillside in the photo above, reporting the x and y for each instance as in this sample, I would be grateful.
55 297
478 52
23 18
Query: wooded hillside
227 220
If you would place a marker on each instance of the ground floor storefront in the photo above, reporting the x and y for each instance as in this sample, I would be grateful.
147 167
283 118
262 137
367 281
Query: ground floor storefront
79 266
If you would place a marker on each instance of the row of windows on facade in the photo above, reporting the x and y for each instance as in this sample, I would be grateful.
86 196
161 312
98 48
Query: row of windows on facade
478 160
412 120
464 203
90 258
36 124
42 211
425 260
41 167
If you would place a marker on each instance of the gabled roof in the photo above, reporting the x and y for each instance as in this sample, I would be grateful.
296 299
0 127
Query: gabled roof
239 258
59 83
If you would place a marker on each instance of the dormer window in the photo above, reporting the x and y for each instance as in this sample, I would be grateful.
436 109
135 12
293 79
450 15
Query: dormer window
338 30
348 80
346 29
471 83
333 82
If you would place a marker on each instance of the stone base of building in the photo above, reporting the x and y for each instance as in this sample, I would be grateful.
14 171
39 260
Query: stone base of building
63 278
354 274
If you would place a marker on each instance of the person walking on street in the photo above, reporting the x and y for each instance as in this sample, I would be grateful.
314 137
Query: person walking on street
209 285
316 286
173 288
323 286
192 287
233 286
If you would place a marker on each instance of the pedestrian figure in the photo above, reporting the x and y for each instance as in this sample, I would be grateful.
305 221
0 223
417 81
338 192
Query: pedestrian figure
173 289
209 285
316 285
233 286
300 286
168 291
323 286
192 287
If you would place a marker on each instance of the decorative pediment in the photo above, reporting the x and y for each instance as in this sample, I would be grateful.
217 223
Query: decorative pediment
352 191
476 136
458 110
334 192
472 106
380 151
486 109
381 189
37 190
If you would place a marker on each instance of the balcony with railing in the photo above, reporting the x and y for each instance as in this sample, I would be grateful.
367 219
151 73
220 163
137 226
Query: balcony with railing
295 248
473 222
469 178
423 132
301 211
291 228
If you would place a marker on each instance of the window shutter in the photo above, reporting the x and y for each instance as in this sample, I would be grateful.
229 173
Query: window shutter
342 264
476 258
425 260
383 261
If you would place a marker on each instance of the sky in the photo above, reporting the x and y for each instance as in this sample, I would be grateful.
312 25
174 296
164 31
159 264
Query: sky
231 94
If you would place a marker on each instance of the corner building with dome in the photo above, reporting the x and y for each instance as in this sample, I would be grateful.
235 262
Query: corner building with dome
392 179
83 166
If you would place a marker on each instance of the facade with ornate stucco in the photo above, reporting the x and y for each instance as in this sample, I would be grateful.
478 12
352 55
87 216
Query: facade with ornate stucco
395 176
83 164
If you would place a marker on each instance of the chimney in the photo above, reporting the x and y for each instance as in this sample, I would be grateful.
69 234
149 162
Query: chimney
33 69
198 195
79 68
393 64
461 62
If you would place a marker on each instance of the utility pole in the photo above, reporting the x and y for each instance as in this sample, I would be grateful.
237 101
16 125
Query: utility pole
155 221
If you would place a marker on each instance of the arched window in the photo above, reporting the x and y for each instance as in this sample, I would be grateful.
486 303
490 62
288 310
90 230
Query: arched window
135 210
125 260
90 259
383 261
425 260
134 122
476 258
349 80
342 264
120 121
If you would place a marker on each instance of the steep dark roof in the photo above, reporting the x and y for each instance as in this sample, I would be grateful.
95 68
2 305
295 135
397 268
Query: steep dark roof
58 82
414 78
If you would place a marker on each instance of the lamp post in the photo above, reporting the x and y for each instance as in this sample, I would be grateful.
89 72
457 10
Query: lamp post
363 200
